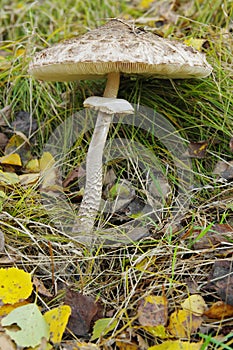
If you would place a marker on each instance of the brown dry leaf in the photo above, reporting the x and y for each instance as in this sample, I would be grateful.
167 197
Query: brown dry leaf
6 343
24 124
130 340
153 311
197 149
212 238
224 169
79 346
219 310
84 311
195 304
221 280
183 323
126 345
75 174
40 287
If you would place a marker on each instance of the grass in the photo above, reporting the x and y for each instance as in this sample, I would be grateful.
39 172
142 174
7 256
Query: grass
197 110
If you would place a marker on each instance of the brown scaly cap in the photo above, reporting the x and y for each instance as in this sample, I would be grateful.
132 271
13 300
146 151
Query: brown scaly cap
118 47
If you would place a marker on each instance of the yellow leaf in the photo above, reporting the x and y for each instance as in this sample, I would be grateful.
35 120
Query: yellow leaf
20 52
11 159
33 166
46 161
48 170
195 303
195 43
145 4
7 308
183 323
157 331
145 264
15 285
176 345
57 320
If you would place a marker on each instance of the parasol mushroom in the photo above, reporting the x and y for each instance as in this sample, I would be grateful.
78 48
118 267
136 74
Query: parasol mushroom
109 50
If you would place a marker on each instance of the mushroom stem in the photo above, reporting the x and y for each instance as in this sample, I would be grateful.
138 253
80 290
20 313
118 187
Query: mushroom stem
93 187
112 85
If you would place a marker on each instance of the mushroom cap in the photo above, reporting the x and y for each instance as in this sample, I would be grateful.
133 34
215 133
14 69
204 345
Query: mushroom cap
118 47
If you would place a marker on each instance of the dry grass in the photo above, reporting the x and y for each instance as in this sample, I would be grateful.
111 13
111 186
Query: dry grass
166 261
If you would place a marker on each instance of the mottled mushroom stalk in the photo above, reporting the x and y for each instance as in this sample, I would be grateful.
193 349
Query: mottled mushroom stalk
93 189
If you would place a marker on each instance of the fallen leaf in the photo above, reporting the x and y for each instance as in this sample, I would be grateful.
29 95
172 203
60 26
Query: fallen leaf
130 340
15 285
24 123
183 323
102 327
195 304
224 169
80 346
33 166
20 145
57 320
28 179
211 237
11 159
40 287
8 178
197 43
5 309
76 174
159 331
197 149
126 345
219 310
46 161
145 4
30 328
48 170
6 343
84 311
153 311
221 280
176 345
